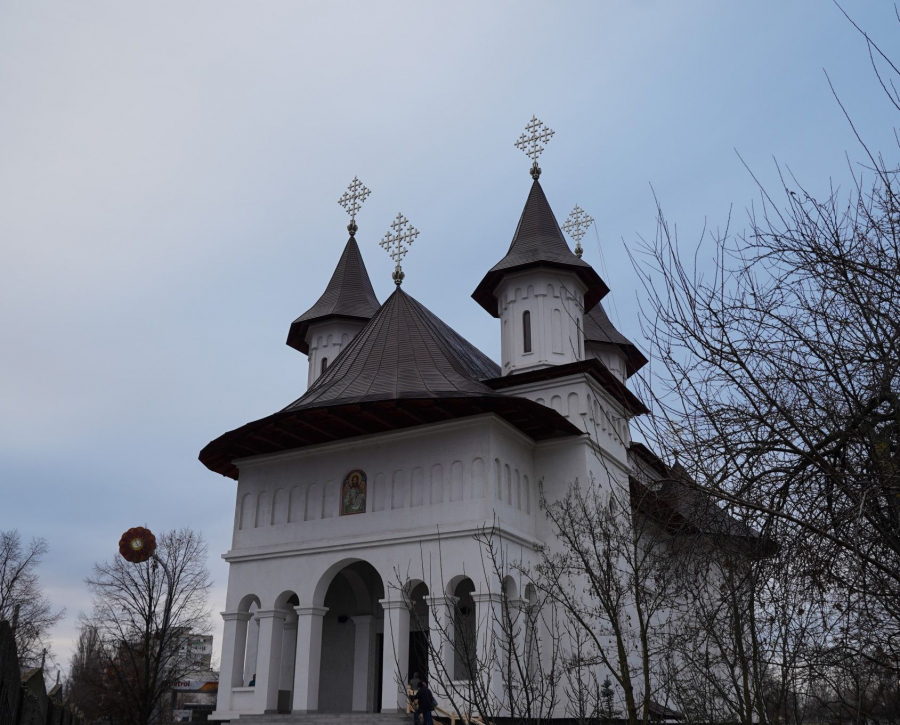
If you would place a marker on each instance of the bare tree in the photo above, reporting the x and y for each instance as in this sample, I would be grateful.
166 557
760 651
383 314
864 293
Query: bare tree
86 677
142 616
500 660
22 597
616 577
777 381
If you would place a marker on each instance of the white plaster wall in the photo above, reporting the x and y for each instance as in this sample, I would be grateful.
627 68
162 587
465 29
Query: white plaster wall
581 400
430 489
611 356
442 475
555 300
327 339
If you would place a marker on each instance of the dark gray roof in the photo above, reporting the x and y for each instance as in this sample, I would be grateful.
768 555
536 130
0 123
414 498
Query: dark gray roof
349 294
538 242
677 503
404 351
599 328
405 368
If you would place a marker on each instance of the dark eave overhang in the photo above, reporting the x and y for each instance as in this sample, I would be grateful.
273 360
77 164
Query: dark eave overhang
634 358
650 458
646 501
288 430
297 334
596 369
484 292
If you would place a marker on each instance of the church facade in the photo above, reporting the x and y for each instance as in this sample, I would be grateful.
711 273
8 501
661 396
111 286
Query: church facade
358 505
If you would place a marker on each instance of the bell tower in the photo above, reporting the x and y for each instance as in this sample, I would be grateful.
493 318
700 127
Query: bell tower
540 290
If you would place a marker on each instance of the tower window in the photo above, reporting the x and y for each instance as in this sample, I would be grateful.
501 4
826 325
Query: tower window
526 331
324 365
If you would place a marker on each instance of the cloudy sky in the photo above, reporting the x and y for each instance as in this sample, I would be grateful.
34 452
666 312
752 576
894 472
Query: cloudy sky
169 176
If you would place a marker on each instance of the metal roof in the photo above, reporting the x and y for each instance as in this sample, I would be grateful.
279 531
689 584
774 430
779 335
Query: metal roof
599 328
349 294
405 368
405 351
538 242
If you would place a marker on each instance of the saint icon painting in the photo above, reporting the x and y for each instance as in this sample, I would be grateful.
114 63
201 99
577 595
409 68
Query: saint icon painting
353 493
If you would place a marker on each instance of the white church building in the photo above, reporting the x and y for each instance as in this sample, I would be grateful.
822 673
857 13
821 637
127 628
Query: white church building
407 442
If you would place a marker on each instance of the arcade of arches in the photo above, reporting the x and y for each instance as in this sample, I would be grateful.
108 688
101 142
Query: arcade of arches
345 655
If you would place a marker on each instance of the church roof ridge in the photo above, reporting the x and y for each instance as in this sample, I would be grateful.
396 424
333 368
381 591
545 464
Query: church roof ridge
349 294
599 328
538 241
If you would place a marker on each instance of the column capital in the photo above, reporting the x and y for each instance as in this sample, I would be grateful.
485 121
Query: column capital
271 613
362 618
236 616
487 597
447 600
394 603
307 611
290 624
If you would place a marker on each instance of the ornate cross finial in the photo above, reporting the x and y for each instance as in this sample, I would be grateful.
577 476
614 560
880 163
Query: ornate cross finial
532 142
576 225
352 201
397 243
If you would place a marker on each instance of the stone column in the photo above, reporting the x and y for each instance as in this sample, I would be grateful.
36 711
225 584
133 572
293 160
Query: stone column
396 655
488 615
288 655
363 625
309 659
516 638
441 660
234 643
268 659
252 648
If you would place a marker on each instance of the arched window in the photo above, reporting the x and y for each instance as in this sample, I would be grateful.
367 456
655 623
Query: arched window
526 330
324 365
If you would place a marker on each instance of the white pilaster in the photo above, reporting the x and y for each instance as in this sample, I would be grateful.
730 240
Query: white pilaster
252 649
268 664
515 644
309 659
441 632
363 625
288 655
234 643
396 655
488 617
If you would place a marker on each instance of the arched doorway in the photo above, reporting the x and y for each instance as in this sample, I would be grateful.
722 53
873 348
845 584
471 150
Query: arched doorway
351 641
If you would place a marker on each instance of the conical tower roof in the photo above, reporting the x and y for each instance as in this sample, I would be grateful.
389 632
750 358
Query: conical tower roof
538 242
405 368
599 328
349 295
405 351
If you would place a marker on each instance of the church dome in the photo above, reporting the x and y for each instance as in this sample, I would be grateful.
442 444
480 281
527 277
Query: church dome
538 242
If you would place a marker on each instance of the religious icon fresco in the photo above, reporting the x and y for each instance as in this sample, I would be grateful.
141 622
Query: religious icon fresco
353 493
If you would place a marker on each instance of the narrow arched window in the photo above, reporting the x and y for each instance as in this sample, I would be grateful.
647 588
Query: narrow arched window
324 365
526 331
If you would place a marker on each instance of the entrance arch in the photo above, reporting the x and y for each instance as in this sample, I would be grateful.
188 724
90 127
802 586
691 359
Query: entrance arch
351 643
